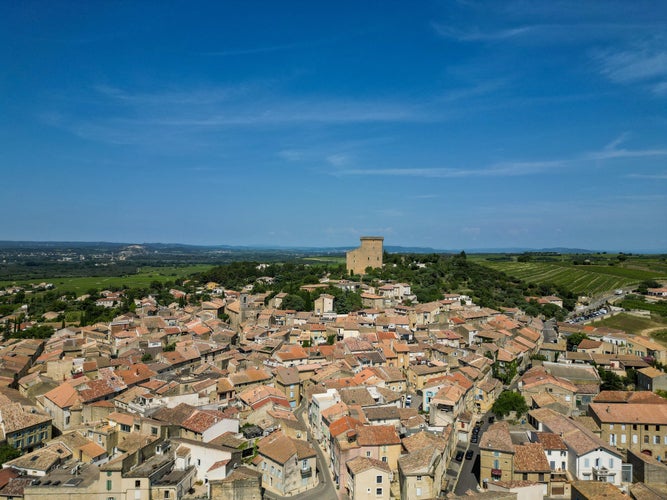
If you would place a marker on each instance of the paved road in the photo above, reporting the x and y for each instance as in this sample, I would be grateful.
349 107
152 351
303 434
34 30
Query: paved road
325 490
469 477
549 331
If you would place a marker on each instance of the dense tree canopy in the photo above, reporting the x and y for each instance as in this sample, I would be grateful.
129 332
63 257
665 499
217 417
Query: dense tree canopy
509 401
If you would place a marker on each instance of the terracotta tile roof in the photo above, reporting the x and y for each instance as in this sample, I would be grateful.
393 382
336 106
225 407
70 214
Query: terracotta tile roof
629 397
550 441
63 396
530 458
121 418
362 464
629 413
497 438
419 462
280 448
652 372
202 420
377 435
93 450
424 440
343 424
287 376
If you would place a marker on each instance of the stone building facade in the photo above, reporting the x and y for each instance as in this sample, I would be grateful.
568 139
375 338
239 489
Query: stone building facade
369 254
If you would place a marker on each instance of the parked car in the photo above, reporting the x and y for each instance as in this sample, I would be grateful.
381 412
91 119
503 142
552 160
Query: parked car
474 438
492 419
469 454
459 456
408 401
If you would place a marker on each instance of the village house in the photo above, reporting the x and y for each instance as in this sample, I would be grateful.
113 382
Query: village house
651 379
370 479
496 454
589 457
287 465
422 469
635 426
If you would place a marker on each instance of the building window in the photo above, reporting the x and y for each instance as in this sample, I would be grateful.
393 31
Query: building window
496 464
622 427
137 483
378 479
418 492
368 454
125 428
154 431
525 476
587 462
634 439
623 439
166 493
108 484
645 439
384 459
611 463
656 439
378 491
611 427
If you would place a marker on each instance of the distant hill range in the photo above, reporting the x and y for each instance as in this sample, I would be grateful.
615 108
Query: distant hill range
184 248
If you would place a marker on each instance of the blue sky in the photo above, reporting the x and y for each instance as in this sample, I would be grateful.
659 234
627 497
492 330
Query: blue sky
452 124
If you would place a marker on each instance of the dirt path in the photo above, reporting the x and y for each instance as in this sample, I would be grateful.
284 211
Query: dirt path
646 332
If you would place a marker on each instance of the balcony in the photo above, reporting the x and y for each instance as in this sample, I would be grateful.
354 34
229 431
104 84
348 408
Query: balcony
306 472
603 474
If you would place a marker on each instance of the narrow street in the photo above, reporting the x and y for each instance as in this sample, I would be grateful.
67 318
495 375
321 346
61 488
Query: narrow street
469 475
325 490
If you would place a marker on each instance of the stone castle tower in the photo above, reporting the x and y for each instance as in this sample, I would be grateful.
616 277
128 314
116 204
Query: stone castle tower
369 254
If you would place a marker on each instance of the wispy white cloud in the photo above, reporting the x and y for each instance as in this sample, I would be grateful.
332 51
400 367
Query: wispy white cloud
255 50
338 159
127 117
504 169
475 34
509 168
657 176
390 212
645 64
424 196
291 154
625 153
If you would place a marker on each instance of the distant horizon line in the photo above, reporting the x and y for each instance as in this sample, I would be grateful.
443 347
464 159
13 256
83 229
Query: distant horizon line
263 246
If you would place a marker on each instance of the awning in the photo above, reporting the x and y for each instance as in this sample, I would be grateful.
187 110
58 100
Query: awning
496 472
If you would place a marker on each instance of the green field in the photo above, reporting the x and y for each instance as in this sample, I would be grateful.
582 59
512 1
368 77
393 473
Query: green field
325 259
583 280
142 279
631 324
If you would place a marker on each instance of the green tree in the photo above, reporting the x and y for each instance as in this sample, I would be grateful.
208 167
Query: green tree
574 340
509 401
293 301
8 453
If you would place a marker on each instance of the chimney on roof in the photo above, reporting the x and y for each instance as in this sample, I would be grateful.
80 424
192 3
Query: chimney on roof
608 408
